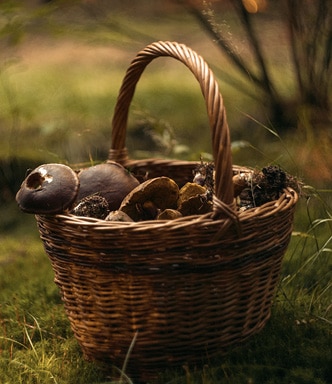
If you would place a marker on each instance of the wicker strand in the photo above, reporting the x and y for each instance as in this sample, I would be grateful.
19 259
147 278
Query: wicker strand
118 155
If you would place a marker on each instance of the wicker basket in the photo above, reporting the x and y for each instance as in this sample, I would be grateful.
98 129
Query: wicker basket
191 287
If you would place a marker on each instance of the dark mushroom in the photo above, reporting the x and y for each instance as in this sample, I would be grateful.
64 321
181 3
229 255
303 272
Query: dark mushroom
48 189
109 180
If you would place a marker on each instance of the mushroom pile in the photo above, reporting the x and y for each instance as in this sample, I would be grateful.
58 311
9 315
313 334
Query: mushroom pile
161 199
94 191
109 191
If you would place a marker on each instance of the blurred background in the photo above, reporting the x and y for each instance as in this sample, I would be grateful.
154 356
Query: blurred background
62 62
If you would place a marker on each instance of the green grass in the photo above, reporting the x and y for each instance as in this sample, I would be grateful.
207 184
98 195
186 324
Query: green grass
57 106
37 346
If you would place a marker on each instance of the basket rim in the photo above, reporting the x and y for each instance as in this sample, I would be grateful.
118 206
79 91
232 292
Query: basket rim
288 199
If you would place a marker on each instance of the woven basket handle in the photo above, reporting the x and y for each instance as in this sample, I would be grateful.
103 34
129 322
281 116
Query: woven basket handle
221 144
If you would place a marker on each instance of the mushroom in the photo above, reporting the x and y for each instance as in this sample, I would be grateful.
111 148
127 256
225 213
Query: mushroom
149 198
110 180
194 199
240 182
48 189
190 190
118 216
169 214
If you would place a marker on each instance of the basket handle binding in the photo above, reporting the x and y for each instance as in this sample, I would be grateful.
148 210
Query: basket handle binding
221 144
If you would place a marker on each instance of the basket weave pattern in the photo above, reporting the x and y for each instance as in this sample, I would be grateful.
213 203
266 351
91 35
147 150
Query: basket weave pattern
191 287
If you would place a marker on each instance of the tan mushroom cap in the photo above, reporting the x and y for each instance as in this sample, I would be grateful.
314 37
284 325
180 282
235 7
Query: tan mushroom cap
146 200
240 182
118 216
193 200
190 190
169 214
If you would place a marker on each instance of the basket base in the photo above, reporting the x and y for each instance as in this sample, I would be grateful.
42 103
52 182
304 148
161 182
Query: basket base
140 373
189 294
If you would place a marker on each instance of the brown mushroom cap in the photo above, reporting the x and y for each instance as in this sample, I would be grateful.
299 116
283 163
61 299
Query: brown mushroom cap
144 201
240 182
48 189
190 190
110 180
196 205
193 200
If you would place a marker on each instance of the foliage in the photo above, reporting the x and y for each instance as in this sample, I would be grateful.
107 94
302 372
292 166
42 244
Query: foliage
308 39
